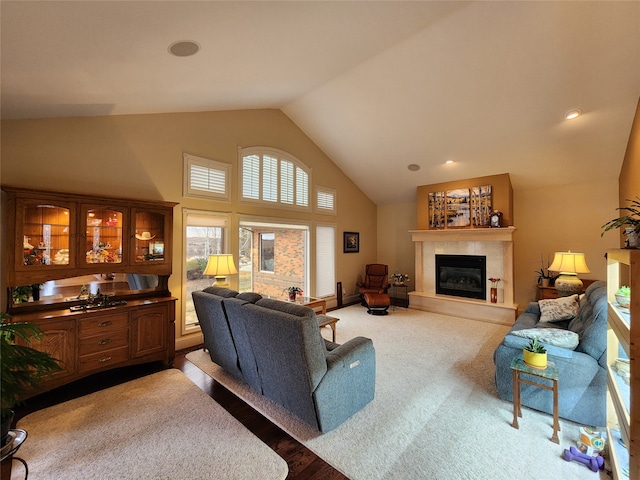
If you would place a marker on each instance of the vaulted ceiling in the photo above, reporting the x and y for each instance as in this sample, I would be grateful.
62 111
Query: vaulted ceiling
376 85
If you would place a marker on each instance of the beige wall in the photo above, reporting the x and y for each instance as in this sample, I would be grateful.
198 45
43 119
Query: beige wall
395 247
141 156
630 173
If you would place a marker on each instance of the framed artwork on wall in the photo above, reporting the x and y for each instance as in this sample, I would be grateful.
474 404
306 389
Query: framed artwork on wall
458 213
351 242
481 206
437 210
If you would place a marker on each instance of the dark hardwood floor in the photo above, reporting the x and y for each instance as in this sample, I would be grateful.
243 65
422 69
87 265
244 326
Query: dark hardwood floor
303 463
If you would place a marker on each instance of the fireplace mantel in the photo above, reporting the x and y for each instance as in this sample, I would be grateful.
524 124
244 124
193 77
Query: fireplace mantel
495 243
504 234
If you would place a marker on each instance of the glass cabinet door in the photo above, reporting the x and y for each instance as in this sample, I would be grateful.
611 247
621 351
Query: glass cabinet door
148 242
103 235
45 232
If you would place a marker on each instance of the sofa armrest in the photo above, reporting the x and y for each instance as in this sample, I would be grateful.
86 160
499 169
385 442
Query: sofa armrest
533 307
349 383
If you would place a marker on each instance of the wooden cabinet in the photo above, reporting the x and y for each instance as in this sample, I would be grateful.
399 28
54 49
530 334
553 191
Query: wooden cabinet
88 342
64 238
623 348
57 235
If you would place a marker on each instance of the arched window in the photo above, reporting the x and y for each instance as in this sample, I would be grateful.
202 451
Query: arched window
272 177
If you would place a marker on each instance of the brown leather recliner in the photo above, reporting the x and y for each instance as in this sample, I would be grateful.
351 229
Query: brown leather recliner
376 280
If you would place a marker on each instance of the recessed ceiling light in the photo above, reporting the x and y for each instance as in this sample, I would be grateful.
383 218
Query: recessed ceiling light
573 113
413 167
448 161
184 48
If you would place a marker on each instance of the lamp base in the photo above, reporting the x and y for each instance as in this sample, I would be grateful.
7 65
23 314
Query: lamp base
567 285
221 281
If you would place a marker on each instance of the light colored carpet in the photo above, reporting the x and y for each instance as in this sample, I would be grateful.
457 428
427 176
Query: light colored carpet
157 427
436 414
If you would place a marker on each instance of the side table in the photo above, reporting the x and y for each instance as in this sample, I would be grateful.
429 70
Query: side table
401 301
550 373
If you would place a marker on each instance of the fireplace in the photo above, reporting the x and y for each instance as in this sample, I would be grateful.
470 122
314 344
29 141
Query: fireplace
461 276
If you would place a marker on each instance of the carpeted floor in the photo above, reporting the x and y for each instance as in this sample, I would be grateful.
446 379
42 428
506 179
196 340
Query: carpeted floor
436 414
161 426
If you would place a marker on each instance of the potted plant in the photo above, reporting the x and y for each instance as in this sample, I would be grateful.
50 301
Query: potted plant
535 355
630 223
399 278
21 367
623 296
545 277
293 291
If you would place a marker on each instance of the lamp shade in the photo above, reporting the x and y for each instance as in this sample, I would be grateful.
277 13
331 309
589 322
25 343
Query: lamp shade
220 266
569 262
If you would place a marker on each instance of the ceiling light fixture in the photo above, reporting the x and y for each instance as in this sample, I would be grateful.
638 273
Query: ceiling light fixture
184 48
413 167
448 161
573 113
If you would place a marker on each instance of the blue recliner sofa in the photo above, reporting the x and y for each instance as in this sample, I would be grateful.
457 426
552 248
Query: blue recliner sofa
277 349
582 384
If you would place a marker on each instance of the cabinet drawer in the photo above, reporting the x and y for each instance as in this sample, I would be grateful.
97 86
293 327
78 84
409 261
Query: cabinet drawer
107 341
105 323
103 359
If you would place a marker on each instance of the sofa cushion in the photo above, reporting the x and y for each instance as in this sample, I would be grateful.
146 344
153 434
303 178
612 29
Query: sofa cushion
286 307
250 297
554 310
221 291
519 343
552 336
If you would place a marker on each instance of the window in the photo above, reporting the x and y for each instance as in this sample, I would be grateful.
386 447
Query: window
266 252
205 233
325 200
325 260
273 177
205 178
273 255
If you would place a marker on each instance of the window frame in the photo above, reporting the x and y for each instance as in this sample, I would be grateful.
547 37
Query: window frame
285 197
214 165
216 217
331 192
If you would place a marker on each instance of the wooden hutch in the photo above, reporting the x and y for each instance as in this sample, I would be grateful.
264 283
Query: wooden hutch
93 272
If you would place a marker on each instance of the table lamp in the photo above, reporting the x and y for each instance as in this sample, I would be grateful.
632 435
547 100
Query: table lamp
568 265
219 266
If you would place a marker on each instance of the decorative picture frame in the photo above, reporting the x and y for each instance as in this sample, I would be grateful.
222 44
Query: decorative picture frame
437 210
481 205
458 214
351 242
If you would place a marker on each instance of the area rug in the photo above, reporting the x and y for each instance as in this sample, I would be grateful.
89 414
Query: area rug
436 413
157 427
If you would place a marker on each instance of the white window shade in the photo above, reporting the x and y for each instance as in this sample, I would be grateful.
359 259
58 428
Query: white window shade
325 260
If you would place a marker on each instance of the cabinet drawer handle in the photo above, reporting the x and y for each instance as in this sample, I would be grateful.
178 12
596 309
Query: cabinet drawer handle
104 359
106 341
105 324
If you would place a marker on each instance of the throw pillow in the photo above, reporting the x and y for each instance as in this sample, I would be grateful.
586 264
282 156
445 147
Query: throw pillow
563 308
552 336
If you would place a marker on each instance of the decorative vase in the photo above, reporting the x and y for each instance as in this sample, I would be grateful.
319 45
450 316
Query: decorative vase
535 360
292 296
494 295
633 239
544 282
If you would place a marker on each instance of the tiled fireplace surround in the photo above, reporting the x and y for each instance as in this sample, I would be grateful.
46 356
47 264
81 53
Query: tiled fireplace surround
494 243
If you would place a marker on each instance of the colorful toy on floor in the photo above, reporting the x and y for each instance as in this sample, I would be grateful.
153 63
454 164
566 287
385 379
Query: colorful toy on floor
594 463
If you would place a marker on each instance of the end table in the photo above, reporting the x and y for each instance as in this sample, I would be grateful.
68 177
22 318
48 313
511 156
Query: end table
550 373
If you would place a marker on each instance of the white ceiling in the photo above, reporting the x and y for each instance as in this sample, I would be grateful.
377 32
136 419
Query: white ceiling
376 85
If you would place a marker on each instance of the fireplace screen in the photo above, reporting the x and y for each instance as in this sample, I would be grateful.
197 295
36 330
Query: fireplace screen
461 276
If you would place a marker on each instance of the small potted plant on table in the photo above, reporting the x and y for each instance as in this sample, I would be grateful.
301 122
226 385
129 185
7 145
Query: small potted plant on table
293 291
535 355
